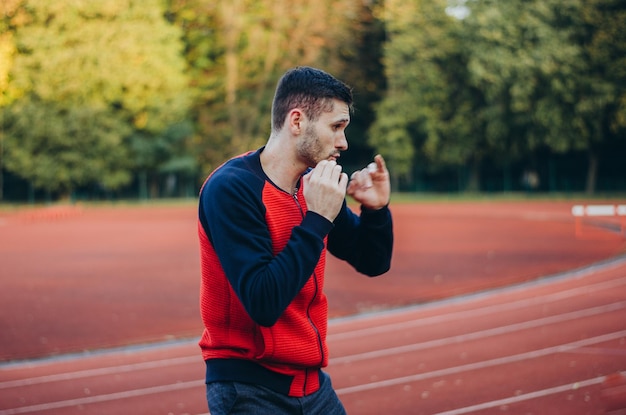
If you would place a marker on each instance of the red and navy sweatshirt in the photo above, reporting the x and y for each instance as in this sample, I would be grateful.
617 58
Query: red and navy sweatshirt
262 260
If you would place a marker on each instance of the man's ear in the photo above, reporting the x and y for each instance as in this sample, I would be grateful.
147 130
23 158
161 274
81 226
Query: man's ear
295 120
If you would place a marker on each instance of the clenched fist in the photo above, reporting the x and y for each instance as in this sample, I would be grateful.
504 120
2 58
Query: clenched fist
325 189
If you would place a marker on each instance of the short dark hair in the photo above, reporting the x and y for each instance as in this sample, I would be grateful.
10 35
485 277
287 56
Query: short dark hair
310 89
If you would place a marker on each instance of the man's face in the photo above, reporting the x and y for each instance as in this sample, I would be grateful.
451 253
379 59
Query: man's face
325 138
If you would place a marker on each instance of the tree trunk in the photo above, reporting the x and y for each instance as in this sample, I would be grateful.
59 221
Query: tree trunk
592 173
154 187
143 185
473 182
394 181
232 15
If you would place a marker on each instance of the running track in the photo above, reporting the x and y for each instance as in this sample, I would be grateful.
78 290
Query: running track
105 278
544 348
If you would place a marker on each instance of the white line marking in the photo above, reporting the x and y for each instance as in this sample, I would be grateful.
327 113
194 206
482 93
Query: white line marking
525 397
602 351
332 337
559 318
481 365
334 361
103 398
390 382
101 371
497 308
344 391
91 354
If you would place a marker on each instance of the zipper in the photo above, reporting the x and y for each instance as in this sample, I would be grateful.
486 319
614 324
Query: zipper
308 309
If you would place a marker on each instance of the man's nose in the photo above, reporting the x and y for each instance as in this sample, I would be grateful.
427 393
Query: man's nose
342 142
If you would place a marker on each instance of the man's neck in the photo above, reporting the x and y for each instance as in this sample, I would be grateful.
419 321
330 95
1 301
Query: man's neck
280 167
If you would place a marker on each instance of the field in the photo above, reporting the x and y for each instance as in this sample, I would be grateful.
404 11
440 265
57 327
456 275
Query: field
84 281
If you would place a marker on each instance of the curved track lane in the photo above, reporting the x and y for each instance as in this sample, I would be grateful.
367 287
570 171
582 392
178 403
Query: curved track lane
546 347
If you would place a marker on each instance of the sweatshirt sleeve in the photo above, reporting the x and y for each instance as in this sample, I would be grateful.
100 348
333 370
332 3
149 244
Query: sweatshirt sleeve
233 217
365 241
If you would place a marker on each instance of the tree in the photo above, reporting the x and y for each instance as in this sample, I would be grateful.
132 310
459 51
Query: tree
516 55
601 86
506 80
59 148
419 115
10 17
90 74
544 67
237 49
361 66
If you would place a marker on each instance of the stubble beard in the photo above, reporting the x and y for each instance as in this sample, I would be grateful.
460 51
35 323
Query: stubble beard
310 149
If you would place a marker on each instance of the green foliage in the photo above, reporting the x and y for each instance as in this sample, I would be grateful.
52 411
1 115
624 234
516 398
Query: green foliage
602 37
11 16
98 92
359 63
390 135
418 121
90 74
508 79
544 67
59 148
518 54
236 51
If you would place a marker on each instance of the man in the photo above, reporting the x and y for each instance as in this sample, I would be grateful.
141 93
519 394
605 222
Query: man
266 219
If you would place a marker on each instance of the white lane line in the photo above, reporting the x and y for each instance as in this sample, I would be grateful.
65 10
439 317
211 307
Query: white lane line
593 270
525 397
125 351
478 312
101 371
485 310
559 318
102 398
344 391
482 365
602 351
334 361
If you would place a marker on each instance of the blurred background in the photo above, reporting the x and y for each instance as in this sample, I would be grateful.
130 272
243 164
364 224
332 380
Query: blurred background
112 99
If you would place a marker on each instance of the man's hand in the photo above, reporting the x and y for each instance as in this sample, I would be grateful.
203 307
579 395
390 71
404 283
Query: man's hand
370 186
325 189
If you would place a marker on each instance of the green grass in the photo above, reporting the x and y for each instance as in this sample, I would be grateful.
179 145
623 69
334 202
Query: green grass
505 196
396 197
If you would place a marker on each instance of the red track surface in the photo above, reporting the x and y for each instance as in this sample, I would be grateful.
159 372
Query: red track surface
85 279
